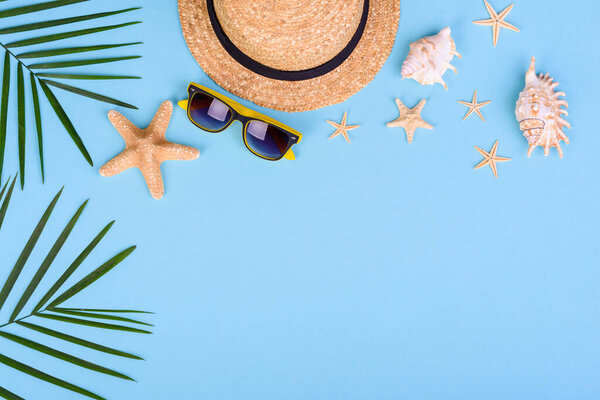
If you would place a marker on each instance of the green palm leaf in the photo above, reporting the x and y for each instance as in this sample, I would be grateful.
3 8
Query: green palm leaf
61 21
89 314
101 310
4 206
95 324
46 263
80 63
92 277
78 341
89 94
64 316
40 70
38 121
4 188
21 121
62 355
4 108
5 394
66 35
85 77
46 377
71 50
64 118
16 271
37 7
73 267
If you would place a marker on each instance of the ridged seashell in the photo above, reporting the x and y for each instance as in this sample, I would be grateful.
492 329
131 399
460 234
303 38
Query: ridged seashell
539 112
429 58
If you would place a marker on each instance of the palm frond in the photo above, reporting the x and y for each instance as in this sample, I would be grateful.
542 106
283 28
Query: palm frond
95 324
38 121
4 109
47 308
85 77
37 7
6 201
80 63
89 314
21 121
64 119
61 355
36 373
78 341
20 264
46 263
73 267
62 21
49 60
5 394
65 35
71 50
103 310
87 93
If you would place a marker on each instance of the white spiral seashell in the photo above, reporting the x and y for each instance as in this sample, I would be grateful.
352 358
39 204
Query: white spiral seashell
539 112
429 58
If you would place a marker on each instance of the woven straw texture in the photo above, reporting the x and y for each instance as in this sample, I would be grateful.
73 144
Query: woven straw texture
291 35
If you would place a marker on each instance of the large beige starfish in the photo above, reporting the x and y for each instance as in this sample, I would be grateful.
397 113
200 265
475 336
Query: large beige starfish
147 148
490 158
497 21
342 128
474 106
409 119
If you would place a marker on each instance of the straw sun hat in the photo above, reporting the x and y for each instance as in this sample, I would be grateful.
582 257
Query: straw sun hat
291 55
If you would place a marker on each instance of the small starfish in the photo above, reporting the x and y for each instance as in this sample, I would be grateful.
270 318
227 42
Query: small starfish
147 148
409 119
491 158
474 106
342 128
496 21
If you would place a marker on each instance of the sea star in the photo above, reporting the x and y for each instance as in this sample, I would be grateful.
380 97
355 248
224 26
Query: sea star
490 158
474 106
496 21
410 119
342 128
147 148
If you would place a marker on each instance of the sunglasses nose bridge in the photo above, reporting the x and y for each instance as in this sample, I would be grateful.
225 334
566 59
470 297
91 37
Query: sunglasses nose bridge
243 123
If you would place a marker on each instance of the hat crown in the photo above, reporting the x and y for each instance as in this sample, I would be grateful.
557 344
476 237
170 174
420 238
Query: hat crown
290 35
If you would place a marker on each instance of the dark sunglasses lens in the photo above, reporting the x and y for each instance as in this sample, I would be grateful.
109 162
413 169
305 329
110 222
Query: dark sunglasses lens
208 112
267 140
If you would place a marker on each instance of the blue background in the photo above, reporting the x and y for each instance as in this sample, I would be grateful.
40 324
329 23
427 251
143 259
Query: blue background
370 270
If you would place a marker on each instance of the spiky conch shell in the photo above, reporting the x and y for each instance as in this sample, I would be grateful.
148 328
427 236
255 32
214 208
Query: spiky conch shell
429 58
539 112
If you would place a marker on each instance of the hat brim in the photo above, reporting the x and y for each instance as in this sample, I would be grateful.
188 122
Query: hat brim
334 87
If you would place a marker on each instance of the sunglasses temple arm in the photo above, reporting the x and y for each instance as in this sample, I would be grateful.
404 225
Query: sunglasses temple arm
183 104
290 155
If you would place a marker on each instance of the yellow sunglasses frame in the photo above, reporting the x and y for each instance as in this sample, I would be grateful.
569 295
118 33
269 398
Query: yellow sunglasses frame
247 113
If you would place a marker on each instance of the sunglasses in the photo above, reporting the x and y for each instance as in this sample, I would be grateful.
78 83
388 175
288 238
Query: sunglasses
214 112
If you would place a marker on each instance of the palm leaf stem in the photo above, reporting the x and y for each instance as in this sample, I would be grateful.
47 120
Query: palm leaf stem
15 56
17 320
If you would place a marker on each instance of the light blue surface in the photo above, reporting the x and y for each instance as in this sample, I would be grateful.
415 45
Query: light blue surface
375 270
